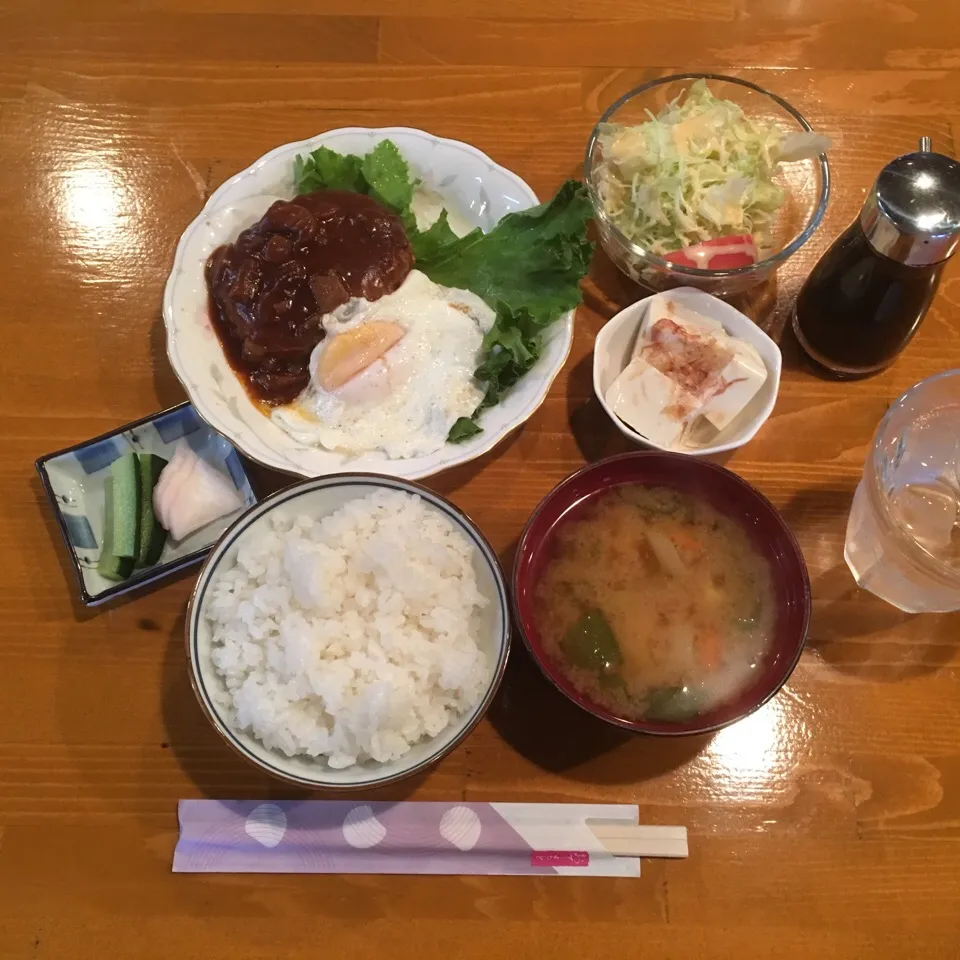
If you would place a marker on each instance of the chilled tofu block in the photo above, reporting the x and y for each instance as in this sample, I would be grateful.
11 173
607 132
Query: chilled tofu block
651 403
686 378
741 379
661 306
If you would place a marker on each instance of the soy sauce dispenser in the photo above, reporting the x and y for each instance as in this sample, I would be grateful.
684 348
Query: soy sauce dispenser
865 299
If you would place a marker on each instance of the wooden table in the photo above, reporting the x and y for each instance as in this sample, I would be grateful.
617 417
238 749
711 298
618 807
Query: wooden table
826 825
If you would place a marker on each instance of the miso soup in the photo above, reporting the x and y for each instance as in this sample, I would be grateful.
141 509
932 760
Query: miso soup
654 604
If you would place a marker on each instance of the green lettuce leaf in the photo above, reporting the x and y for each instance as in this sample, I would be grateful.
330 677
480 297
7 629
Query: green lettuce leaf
388 177
430 244
530 265
532 259
512 346
325 170
463 429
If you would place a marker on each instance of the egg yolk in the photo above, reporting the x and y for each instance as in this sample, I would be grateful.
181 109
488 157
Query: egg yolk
351 352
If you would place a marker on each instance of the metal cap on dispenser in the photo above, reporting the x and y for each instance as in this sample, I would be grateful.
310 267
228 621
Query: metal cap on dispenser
912 214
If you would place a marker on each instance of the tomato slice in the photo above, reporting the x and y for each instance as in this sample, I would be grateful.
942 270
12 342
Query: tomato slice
721 253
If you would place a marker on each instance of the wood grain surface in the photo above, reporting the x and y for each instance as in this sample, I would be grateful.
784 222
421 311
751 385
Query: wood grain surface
826 825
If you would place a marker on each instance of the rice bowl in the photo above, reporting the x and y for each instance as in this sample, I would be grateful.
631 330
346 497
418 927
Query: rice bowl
348 631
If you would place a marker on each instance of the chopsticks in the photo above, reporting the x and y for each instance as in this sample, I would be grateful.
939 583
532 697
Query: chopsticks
464 838
625 840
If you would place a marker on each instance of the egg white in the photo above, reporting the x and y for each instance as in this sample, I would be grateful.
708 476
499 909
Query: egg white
405 403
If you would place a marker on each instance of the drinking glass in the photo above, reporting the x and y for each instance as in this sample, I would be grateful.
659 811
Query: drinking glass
903 534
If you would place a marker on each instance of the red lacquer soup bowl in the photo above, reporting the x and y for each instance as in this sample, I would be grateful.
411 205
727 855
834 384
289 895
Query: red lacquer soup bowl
728 494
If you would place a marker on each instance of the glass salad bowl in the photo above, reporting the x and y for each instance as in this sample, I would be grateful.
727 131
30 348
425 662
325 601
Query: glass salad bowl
718 177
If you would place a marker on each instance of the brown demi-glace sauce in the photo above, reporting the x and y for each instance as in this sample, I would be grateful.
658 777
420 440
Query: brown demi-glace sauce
270 287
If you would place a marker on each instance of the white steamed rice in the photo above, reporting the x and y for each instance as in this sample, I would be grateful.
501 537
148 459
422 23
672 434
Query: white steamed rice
352 636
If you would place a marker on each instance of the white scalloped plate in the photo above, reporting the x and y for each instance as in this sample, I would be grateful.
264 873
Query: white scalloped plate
468 181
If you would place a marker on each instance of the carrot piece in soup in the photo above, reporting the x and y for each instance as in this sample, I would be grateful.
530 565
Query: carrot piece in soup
708 647
689 546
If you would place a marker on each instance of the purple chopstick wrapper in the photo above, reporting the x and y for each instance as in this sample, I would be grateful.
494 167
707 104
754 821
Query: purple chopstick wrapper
344 836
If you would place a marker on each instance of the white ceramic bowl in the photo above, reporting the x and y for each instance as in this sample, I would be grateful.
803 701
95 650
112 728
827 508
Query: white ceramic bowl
319 498
615 342
471 185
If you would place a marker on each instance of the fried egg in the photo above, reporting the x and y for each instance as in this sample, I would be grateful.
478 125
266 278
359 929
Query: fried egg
394 374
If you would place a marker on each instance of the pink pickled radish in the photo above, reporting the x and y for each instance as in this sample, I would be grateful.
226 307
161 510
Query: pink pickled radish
190 494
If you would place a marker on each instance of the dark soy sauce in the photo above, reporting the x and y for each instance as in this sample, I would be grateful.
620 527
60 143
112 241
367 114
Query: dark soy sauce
867 296
859 309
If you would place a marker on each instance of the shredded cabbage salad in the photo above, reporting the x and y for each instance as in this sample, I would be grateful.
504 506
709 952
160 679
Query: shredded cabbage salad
698 170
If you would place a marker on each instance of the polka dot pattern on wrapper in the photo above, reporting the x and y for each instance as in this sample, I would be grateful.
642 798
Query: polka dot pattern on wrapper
461 827
266 824
361 829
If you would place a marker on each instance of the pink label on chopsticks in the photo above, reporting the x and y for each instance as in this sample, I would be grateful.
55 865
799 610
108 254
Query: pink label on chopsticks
559 858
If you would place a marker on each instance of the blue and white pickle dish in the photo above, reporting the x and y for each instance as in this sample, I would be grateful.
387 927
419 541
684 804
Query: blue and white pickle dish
74 481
